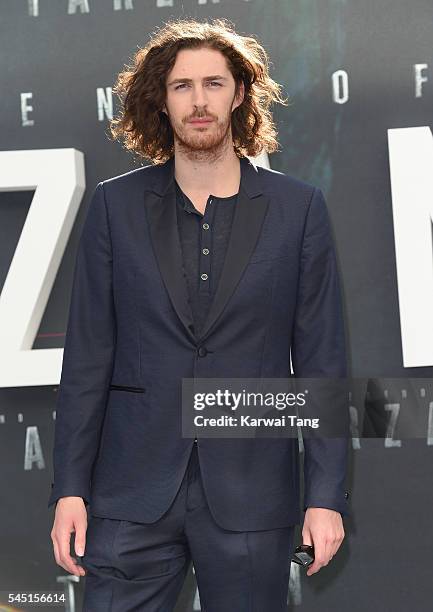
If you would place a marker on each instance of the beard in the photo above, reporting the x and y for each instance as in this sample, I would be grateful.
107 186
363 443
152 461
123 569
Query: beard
205 143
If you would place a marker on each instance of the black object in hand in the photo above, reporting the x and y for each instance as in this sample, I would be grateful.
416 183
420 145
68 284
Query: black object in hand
303 555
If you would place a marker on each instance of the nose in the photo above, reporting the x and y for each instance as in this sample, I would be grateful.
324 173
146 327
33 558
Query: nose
199 98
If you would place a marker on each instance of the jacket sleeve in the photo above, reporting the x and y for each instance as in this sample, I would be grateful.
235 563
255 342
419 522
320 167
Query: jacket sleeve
318 350
87 357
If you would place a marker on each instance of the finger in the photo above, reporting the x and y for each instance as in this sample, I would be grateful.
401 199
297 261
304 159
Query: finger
66 561
313 568
333 549
319 556
337 543
329 545
306 537
56 551
80 538
80 568
80 543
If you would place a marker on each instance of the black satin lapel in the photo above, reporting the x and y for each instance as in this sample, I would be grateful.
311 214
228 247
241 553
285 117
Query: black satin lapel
161 215
247 223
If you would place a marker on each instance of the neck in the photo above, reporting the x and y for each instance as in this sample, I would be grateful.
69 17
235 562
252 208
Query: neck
221 176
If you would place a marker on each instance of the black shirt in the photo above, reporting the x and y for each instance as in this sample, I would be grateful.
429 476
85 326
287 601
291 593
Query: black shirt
203 239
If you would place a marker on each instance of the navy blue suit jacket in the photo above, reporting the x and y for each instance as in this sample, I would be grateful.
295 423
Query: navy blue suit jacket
118 441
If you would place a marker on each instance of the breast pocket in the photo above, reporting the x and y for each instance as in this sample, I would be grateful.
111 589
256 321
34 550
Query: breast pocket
127 388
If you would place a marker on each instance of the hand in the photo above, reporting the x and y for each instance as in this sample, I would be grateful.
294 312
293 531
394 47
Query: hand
71 516
323 529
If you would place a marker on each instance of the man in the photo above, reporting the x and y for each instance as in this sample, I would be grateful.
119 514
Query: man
202 265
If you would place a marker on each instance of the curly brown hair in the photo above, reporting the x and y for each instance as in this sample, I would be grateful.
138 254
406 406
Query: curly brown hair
146 130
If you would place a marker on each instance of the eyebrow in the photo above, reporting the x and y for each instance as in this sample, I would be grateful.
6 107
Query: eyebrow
215 77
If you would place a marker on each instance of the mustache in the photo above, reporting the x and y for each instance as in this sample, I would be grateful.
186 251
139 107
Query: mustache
201 116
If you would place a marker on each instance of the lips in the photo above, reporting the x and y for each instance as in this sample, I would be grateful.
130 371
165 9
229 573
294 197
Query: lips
201 120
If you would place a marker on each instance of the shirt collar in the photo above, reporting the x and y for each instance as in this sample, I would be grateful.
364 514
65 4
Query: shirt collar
186 203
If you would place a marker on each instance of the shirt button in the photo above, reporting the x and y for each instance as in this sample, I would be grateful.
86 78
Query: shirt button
203 276
206 226
205 251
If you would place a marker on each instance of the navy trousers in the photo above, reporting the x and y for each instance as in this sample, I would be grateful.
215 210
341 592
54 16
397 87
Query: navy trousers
137 567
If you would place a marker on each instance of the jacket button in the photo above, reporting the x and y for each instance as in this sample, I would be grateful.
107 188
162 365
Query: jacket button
202 351
346 494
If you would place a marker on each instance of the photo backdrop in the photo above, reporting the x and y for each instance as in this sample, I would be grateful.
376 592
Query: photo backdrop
352 71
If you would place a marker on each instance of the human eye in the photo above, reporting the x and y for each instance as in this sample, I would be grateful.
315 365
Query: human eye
179 86
215 83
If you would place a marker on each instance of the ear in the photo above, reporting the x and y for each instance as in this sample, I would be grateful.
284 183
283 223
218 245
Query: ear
240 96
164 109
